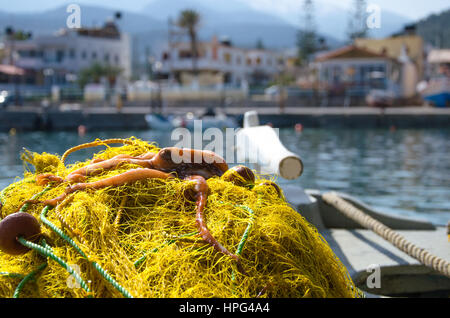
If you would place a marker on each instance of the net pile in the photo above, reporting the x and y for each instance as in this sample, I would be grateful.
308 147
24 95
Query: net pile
140 240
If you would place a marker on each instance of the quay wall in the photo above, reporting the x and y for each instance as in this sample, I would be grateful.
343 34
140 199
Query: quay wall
357 120
67 121
134 119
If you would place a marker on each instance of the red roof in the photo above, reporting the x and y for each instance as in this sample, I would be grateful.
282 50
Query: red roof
11 70
349 51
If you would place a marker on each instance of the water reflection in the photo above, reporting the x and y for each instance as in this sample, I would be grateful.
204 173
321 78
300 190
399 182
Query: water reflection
406 172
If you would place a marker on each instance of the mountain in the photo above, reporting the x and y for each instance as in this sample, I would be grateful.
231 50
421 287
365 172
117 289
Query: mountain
148 28
332 19
435 29
276 29
212 12
52 20
233 19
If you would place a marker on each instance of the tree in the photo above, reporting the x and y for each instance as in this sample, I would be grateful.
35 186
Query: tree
259 44
96 72
189 20
307 38
357 26
283 80
435 29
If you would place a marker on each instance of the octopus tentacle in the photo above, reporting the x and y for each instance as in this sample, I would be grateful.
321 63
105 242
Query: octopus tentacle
45 178
129 176
186 164
201 188
80 174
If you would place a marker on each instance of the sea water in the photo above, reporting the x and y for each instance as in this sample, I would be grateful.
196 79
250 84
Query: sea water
402 172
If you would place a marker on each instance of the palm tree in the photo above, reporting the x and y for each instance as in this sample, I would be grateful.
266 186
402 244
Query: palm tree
189 20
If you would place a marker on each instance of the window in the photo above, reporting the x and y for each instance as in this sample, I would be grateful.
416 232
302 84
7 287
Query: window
337 72
117 59
83 55
258 60
72 53
249 61
94 55
106 57
59 56
227 78
184 54
227 58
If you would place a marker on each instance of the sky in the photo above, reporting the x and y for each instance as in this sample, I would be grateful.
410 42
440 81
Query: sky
414 9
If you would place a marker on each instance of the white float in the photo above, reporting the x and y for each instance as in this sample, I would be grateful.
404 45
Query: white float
261 146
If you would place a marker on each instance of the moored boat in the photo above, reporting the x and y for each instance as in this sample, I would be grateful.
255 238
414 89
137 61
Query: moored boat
377 266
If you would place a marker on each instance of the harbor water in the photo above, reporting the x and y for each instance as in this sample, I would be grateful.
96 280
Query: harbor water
402 172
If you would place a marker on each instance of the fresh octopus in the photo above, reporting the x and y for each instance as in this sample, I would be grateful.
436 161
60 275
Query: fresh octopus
185 164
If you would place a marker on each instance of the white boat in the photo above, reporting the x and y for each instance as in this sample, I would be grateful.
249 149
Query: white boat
437 91
159 122
361 250
190 121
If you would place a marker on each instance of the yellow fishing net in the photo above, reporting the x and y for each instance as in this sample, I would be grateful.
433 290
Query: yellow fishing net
139 240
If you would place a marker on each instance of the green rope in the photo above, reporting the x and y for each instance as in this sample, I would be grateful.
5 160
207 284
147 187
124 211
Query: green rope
249 226
26 279
111 280
11 275
72 243
36 196
58 231
156 249
244 236
247 230
47 252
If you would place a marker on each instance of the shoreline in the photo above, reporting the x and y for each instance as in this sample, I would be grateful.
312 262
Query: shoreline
133 118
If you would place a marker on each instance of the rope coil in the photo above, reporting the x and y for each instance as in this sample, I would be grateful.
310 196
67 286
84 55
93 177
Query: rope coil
95 144
423 256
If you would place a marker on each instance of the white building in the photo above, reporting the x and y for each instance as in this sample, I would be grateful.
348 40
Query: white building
221 63
56 59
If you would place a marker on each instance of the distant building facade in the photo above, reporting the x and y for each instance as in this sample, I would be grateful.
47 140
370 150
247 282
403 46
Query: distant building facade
394 46
355 67
221 63
438 63
57 59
